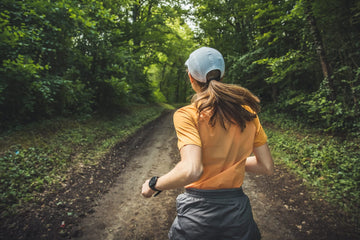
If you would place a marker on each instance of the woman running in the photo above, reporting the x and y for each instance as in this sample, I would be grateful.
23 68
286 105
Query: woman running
216 133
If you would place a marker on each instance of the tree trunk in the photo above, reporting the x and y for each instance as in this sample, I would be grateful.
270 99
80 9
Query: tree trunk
178 79
135 26
319 48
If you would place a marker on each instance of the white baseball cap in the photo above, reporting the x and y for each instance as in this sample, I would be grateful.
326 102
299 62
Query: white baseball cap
204 60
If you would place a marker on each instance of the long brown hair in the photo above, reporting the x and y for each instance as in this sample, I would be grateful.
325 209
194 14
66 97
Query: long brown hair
225 101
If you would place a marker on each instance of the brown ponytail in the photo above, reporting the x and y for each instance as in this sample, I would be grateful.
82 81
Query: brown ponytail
225 102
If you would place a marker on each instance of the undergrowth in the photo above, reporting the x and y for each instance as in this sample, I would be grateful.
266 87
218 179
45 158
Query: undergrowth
330 165
39 156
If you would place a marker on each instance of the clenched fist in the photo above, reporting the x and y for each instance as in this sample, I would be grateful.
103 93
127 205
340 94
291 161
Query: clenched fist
146 190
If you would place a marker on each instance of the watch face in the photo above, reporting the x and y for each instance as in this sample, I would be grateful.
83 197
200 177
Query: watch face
152 182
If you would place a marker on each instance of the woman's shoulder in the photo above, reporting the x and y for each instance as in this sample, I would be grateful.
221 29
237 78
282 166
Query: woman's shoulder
188 111
191 108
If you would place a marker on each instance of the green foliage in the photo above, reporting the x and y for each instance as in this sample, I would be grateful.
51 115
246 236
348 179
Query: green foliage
25 171
327 163
168 73
331 115
39 157
245 71
115 93
68 57
279 50
71 97
20 86
71 57
283 66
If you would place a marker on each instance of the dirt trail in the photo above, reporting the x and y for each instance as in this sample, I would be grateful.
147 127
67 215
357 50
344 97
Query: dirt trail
123 213
103 201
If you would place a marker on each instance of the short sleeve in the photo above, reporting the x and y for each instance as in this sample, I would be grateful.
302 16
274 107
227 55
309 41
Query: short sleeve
260 135
186 127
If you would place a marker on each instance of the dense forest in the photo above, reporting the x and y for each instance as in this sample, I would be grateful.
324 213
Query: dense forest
60 58
66 57
67 67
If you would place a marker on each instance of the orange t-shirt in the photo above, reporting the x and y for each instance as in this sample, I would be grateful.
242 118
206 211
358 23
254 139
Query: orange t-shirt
224 152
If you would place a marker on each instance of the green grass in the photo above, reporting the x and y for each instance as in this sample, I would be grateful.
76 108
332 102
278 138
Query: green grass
329 165
41 155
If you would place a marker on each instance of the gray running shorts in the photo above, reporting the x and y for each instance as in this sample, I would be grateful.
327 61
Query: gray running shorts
214 214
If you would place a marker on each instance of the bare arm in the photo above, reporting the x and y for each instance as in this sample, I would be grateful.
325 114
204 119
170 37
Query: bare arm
262 162
188 170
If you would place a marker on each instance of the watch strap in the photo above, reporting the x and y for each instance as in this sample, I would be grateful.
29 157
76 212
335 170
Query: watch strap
152 183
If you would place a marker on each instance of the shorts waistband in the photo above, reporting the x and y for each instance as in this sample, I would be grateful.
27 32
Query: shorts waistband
217 193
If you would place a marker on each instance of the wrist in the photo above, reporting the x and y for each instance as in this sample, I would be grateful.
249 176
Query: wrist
152 183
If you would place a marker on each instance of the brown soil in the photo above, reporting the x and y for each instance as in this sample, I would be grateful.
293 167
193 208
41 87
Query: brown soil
103 202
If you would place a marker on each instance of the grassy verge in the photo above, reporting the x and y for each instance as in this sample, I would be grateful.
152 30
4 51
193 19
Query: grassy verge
329 165
41 155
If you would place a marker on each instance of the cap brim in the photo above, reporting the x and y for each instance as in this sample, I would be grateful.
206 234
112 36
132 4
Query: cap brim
187 63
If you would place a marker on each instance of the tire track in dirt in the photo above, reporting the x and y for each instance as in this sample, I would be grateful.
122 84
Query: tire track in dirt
123 214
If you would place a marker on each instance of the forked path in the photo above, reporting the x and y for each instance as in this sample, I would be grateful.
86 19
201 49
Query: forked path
123 213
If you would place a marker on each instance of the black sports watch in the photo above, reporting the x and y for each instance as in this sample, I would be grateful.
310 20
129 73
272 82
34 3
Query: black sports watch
152 184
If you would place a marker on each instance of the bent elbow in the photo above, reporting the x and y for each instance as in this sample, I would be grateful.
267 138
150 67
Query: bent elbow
195 174
270 170
198 174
